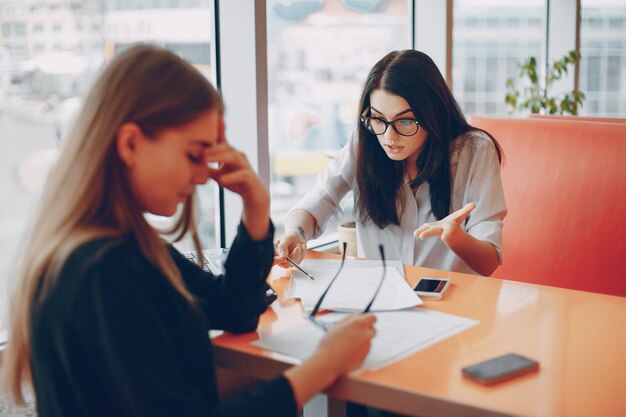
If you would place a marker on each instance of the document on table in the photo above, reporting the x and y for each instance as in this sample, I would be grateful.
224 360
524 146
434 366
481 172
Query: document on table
354 287
398 334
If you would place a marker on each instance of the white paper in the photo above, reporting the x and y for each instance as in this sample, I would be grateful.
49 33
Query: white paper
314 264
354 287
398 335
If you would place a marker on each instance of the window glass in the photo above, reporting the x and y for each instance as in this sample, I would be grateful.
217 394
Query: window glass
319 53
603 62
490 38
43 77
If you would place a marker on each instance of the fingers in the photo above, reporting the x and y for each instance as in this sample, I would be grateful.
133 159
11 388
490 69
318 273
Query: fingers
461 214
233 178
362 320
292 245
347 344
224 154
438 228
354 329
282 247
282 262
221 132
422 229
296 255
432 230
234 173
357 323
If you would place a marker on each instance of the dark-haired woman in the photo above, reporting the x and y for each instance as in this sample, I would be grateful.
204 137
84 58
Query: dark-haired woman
426 184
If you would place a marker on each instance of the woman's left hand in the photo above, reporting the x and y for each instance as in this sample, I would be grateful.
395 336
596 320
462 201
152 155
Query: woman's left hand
447 228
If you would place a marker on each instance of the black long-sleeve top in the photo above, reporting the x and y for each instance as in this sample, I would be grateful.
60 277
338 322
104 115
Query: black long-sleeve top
114 338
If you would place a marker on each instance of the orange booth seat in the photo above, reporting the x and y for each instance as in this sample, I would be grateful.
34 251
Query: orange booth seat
579 118
565 187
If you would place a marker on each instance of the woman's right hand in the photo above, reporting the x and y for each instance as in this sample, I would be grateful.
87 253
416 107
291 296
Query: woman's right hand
291 244
347 343
341 350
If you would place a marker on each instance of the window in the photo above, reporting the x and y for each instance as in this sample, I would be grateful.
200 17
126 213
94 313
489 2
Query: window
20 30
603 62
319 53
490 38
41 90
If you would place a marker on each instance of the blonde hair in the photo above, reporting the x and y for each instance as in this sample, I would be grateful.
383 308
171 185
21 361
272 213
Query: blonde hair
87 195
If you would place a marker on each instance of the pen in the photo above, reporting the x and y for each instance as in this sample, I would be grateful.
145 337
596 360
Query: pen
295 265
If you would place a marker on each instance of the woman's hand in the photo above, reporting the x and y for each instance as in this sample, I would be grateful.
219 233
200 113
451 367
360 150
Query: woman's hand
299 228
347 343
341 350
448 228
234 173
291 244
481 256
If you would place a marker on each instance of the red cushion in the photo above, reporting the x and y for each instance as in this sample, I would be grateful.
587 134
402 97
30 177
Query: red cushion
565 188
579 118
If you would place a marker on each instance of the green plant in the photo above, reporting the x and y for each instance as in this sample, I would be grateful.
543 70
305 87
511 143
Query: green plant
535 97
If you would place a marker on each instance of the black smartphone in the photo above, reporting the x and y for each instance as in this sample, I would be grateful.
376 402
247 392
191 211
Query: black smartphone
431 288
500 369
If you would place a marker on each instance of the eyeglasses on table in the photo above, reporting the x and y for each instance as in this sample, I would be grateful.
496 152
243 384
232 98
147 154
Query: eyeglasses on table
325 326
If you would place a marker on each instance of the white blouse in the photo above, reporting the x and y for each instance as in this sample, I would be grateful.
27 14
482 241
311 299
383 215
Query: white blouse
476 178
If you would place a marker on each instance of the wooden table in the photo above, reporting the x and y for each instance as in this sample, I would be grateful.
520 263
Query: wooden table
579 339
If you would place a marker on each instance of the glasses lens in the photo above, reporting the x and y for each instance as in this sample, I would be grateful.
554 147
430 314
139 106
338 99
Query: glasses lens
406 127
376 126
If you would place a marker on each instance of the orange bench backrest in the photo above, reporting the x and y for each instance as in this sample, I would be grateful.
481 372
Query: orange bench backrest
565 188
578 118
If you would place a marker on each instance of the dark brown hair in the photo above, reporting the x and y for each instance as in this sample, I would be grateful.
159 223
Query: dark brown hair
413 76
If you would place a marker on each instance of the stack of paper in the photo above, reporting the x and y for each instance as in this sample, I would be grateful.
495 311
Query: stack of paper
354 287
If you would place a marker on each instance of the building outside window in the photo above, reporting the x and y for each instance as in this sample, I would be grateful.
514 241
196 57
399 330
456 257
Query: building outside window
319 53
490 39
603 62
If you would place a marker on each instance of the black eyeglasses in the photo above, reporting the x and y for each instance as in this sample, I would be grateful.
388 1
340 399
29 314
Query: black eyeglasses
377 126
324 326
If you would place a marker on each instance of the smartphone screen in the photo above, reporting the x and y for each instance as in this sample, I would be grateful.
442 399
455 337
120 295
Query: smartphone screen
500 369
430 285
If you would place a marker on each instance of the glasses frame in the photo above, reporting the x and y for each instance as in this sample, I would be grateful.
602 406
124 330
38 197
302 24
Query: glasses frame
366 119
316 308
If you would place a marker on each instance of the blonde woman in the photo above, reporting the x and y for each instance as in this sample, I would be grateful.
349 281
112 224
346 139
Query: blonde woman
108 320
